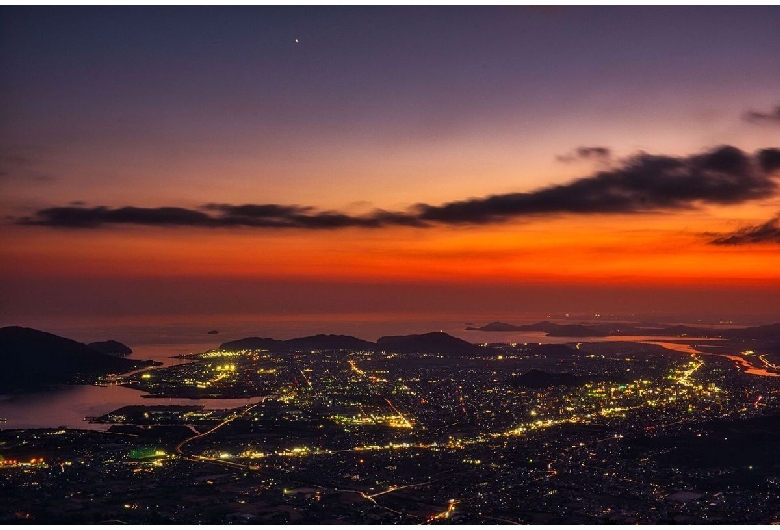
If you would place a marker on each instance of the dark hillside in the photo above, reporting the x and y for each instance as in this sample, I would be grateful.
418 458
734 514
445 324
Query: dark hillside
32 358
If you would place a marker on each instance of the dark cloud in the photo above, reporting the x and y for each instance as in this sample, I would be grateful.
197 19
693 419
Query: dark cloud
82 217
643 183
768 232
294 216
773 116
769 159
600 154
258 210
249 215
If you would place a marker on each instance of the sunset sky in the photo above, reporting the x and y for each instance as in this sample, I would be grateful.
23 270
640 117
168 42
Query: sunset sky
379 159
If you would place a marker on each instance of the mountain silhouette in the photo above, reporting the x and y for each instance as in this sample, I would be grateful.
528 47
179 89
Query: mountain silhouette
434 342
313 342
31 358
111 347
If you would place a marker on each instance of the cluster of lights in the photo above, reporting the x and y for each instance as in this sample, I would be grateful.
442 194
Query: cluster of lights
391 420
221 353
31 462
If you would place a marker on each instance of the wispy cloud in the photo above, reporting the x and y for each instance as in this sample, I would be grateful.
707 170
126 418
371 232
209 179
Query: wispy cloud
599 154
772 116
642 183
768 232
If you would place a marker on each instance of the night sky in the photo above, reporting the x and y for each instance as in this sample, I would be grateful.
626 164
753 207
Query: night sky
380 159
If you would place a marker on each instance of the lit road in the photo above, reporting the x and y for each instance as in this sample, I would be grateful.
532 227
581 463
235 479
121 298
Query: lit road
233 417
443 515
404 421
767 363
355 368
396 488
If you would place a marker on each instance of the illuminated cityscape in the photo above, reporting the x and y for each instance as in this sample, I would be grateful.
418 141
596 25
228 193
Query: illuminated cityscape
389 264
584 432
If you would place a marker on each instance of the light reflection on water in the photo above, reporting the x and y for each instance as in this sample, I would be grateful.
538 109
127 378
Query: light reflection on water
740 361
67 406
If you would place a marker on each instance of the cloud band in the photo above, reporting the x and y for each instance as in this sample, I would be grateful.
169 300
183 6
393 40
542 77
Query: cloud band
639 184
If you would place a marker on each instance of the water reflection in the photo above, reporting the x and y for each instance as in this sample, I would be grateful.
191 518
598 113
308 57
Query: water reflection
740 361
67 406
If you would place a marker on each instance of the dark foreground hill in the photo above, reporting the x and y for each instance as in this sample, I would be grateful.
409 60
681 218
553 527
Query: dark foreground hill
32 358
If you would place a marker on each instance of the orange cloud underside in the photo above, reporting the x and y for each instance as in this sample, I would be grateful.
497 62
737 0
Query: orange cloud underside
609 249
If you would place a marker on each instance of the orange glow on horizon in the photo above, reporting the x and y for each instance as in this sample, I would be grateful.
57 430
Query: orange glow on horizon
649 249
